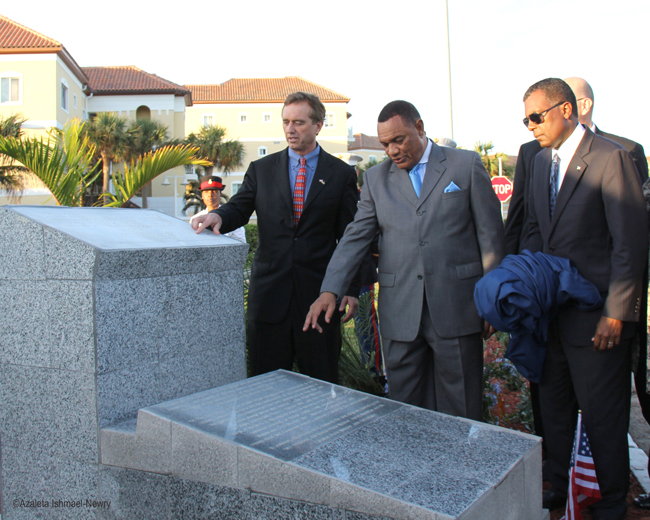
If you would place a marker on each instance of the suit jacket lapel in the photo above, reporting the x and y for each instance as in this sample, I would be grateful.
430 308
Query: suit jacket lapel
402 182
322 174
574 173
433 174
545 179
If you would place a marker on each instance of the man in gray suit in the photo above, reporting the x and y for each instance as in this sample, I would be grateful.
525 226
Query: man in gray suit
440 231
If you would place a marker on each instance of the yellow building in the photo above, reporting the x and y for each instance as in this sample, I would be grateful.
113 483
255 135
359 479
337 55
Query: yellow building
251 111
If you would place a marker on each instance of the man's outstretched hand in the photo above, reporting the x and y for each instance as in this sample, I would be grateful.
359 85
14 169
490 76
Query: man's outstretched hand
202 222
325 302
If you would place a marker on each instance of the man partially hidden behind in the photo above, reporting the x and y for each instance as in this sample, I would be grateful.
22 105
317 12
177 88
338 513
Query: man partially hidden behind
440 230
211 187
304 199
586 205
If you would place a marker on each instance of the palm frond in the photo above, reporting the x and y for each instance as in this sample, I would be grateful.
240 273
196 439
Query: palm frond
62 162
147 168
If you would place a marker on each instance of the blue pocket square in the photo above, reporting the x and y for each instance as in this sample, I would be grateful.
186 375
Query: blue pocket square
452 187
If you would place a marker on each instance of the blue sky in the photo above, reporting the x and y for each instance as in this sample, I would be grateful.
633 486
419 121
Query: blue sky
375 52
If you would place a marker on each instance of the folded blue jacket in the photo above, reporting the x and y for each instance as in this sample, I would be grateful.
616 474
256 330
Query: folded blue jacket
522 296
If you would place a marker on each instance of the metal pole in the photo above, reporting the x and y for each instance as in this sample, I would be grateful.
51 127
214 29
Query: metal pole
451 114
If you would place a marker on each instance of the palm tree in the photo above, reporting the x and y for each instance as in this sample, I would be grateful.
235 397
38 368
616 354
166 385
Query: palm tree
225 155
144 136
12 176
107 133
491 160
64 162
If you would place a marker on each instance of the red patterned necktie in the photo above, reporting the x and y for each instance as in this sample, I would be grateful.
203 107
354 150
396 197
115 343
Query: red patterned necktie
299 192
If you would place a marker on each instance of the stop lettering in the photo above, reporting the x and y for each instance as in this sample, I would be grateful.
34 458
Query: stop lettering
502 186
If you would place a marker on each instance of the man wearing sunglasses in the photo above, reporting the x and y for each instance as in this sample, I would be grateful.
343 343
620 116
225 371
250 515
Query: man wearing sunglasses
584 194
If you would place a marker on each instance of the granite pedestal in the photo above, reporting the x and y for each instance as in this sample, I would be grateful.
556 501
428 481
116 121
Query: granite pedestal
103 312
282 445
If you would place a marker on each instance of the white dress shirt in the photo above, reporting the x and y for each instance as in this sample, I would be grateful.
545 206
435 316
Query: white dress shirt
567 151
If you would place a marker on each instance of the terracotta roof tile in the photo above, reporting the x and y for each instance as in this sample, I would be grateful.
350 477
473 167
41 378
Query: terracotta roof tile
129 80
257 90
15 36
365 142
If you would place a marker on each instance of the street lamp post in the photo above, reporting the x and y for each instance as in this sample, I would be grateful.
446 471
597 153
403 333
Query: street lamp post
167 183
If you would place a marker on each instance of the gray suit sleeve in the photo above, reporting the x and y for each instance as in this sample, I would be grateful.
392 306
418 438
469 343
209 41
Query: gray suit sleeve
352 247
486 213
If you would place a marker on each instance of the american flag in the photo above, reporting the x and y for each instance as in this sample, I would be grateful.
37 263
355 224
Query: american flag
583 483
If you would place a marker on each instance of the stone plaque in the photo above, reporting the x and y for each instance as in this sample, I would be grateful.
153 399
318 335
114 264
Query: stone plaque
281 414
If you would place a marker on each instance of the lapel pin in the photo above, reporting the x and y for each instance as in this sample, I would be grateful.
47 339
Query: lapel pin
321 181
578 167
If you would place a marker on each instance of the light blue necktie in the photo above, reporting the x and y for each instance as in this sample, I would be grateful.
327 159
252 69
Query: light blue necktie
416 180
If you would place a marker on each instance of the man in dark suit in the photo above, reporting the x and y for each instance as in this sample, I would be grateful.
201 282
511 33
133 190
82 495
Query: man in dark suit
584 194
304 199
440 230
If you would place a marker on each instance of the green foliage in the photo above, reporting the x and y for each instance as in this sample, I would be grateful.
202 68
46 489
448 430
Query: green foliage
491 160
12 176
252 237
11 126
363 168
223 154
354 372
147 167
142 137
63 163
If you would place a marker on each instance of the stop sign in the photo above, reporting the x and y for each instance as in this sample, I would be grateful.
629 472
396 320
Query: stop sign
502 186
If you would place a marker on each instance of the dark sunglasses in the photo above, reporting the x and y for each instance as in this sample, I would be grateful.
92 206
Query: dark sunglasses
538 119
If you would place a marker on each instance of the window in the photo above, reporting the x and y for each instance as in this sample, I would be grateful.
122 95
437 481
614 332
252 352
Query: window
234 187
189 169
64 94
84 114
329 120
208 119
262 151
243 117
266 117
74 101
10 88
372 158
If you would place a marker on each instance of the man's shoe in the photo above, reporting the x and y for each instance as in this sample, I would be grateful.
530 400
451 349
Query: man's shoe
553 499
643 501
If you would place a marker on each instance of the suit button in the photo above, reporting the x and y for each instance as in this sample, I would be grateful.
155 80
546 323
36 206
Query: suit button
420 213
419 277
295 239
551 249
422 243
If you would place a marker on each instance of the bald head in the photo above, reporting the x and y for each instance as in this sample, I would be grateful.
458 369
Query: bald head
585 96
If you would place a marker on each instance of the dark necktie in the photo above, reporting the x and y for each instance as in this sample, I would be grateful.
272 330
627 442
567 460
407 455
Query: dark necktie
555 173
299 192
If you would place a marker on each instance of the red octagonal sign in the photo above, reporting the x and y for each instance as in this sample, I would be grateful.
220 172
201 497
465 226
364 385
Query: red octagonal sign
502 186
